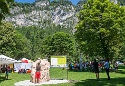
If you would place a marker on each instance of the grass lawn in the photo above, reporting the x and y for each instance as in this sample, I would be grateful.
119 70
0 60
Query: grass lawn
76 78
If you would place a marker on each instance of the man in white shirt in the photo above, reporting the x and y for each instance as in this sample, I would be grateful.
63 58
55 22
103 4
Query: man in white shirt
107 66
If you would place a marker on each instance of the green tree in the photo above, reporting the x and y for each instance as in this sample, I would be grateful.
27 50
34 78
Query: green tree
7 43
22 47
100 30
60 43
35 36
4 8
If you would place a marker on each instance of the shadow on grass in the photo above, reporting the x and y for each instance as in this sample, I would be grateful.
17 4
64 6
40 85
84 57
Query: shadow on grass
102 82
2 79
77 70
121 67
102 71
121 70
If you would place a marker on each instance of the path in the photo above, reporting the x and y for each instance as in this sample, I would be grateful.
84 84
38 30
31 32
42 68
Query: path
28 83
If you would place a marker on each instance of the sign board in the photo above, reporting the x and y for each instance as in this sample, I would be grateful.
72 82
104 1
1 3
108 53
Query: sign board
58 61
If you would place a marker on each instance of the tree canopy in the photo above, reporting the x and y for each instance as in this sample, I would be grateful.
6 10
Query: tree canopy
22 46
7 34
4 8
59 43
100 30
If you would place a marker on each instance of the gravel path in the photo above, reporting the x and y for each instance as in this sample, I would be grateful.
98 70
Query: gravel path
28 83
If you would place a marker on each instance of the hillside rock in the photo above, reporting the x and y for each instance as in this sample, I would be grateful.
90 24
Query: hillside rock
42 12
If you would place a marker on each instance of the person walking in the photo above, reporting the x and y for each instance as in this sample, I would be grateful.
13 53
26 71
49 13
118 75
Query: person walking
96 68
107 66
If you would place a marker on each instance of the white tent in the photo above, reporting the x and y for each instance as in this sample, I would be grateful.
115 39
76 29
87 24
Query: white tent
6 60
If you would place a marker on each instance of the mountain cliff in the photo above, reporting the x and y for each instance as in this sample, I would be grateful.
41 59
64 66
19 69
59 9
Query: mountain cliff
43 12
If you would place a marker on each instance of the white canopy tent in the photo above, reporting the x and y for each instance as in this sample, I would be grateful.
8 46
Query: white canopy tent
6 60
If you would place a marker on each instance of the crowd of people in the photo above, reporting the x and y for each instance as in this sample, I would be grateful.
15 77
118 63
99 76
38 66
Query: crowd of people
94 66
85 66
22 70
88 66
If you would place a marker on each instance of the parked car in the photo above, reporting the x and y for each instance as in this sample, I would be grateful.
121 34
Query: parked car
120 63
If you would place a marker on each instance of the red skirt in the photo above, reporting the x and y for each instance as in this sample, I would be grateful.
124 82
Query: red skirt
37 75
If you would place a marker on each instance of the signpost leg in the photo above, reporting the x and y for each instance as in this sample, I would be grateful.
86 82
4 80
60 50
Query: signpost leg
67 72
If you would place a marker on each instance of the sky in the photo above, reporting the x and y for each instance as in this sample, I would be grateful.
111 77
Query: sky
30 1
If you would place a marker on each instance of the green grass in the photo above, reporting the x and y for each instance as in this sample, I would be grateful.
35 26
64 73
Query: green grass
13 78
76 78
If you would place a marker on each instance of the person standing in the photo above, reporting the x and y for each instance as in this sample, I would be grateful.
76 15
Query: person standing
37 74
7 68
107 66
96 68
0 68
116 66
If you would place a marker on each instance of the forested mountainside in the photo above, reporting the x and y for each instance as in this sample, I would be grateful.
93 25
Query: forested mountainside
37 24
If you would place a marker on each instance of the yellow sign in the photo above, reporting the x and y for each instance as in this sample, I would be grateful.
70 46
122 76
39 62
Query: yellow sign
61 60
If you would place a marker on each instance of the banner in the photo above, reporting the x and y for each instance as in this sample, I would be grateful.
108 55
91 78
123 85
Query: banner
58 61
18 66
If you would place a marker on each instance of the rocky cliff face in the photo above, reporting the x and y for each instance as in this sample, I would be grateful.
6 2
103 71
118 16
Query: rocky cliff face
42 12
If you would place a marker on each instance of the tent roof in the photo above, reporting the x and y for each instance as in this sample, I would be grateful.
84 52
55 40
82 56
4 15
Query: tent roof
6 60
